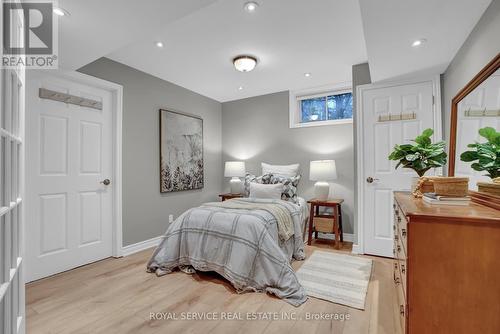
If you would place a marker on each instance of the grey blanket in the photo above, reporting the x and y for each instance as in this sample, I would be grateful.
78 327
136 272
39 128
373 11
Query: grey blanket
241 245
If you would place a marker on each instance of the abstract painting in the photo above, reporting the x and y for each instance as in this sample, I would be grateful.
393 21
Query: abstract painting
181 151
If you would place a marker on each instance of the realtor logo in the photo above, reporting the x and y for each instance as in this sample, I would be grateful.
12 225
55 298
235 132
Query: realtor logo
29 35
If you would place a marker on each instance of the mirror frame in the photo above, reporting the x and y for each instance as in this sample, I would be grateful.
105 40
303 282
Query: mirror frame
488 70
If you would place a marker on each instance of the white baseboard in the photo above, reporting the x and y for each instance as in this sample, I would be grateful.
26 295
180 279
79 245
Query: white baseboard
140 246
347 236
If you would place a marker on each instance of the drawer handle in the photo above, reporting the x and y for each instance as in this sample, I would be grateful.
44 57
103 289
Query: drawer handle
396 280
395 266
396 237
394 206
394 227
403 269
393 251
399 219
402 310
403 232
399 249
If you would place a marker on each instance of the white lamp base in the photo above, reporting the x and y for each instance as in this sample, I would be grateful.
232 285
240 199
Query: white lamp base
235 185
321 190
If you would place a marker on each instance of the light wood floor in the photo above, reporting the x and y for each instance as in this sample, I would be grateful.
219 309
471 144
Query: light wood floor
117 296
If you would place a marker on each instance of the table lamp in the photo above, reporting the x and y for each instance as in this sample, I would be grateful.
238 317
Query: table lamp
234 170
322 171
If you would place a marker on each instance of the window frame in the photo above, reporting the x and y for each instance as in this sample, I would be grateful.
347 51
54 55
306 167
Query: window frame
296 111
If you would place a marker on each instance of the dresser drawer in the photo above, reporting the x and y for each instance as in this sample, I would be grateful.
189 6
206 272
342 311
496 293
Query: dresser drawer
402 308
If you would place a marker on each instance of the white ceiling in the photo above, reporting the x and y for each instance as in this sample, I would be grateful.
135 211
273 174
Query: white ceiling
390 27
289 38
98 27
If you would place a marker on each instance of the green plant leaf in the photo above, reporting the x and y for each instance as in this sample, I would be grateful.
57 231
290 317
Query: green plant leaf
489 133
427 133
469 156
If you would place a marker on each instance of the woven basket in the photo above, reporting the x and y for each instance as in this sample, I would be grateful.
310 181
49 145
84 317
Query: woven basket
425 185
490 188
451 186
323 225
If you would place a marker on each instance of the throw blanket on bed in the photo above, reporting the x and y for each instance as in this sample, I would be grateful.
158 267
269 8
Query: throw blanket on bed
278 210
242 245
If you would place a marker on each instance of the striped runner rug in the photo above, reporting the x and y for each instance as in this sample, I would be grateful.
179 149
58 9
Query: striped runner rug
338 278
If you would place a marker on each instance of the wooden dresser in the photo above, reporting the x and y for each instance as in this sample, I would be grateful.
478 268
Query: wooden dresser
446 267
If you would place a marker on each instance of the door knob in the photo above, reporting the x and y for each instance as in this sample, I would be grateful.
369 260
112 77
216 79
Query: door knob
370 179
106 182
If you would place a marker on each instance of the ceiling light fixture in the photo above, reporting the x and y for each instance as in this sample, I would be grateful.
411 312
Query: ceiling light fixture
307 75
159 44
418 42
240 88
60 12
251 6
244 63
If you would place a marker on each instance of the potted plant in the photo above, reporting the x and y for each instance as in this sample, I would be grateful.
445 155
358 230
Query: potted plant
420 156
486 157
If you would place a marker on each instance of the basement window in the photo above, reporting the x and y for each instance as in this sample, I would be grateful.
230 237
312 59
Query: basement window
334 107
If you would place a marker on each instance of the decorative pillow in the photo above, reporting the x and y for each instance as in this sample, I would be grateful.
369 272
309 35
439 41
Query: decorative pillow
289 187
258 190
264 179
280 170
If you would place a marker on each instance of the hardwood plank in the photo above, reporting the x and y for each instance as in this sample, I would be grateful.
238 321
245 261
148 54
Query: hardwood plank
118 296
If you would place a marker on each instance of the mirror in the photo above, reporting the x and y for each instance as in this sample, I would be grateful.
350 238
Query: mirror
476 106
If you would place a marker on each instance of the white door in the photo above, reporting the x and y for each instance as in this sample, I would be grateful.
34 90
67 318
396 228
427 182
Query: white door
378 177
12 86
486 97
69 150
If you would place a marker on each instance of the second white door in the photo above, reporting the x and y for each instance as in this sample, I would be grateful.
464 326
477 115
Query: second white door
69 158
379 178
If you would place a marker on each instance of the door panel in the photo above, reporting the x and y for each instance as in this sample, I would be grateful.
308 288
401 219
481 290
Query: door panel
70 148
379 138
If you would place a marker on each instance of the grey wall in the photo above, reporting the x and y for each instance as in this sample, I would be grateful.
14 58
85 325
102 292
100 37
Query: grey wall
145 210
360 76
257 130
480 47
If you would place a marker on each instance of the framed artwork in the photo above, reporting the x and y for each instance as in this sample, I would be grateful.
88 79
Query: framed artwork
181 151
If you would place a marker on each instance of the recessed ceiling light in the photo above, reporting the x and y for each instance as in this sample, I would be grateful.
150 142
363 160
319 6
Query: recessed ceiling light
240 88
307 75
159 44
60 12
418 42
251 6
244 63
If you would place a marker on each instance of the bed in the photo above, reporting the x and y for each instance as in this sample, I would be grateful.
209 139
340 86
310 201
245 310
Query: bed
243 240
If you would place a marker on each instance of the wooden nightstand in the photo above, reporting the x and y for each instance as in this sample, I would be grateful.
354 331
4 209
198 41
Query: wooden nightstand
323 219
229 196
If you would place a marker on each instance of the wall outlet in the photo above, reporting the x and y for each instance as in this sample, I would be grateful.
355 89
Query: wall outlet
170 219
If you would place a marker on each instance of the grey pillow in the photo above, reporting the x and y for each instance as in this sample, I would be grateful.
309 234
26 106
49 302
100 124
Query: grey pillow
289 186
263 179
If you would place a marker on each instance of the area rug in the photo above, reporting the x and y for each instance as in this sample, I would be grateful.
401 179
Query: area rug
338 278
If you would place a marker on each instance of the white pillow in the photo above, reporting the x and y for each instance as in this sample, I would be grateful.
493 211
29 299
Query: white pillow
258 190
280 170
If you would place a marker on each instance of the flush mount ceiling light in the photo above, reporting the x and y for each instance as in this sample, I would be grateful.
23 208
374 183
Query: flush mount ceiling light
240 88
307 75
60 12
244 63
418 42
251 6
159 44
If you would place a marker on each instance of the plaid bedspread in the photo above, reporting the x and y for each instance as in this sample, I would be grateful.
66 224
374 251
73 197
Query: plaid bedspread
241 245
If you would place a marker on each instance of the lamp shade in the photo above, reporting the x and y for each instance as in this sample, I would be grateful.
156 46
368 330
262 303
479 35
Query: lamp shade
234 169
322 170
